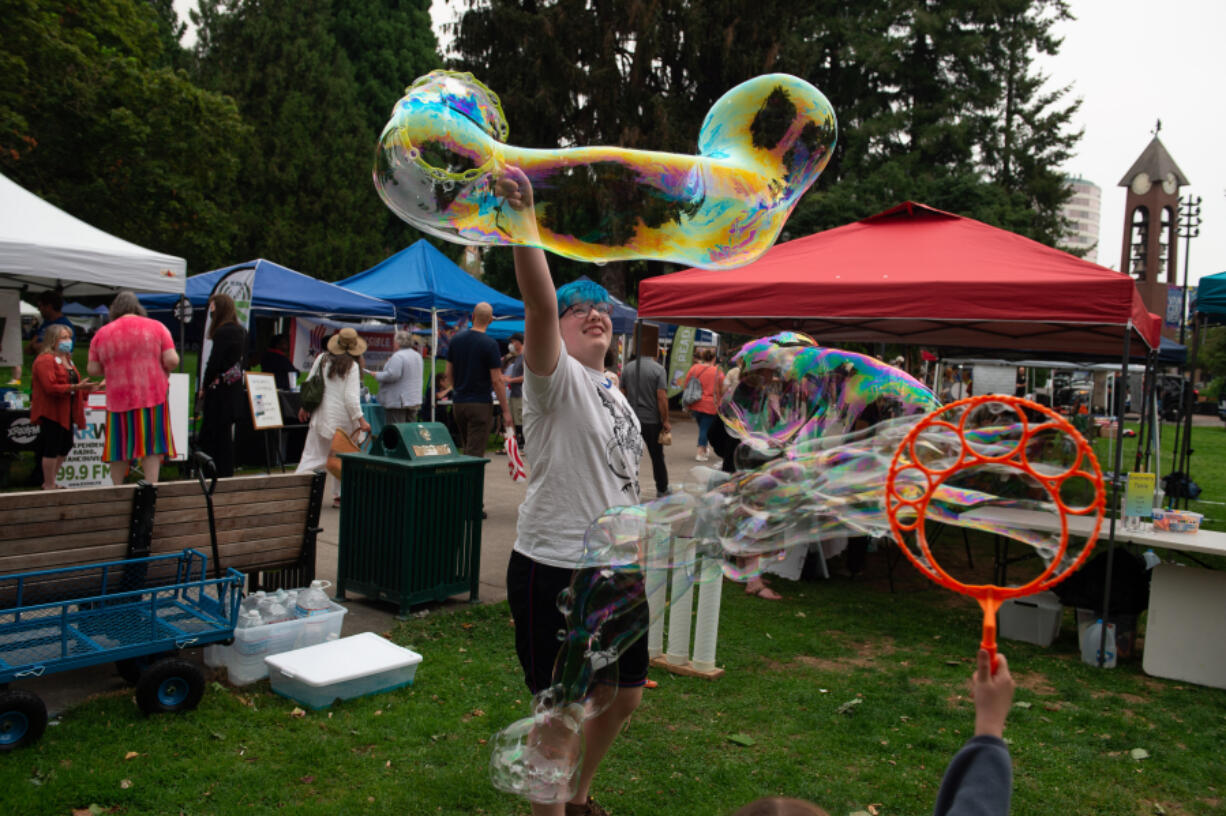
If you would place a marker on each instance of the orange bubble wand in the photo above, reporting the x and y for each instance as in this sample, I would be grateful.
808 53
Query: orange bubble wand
906 497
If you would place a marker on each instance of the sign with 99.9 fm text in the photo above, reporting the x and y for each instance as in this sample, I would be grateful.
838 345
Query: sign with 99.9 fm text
84 465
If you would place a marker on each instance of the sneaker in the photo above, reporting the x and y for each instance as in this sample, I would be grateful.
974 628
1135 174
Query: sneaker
590 808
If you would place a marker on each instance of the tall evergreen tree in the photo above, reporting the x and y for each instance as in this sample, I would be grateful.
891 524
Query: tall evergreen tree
308 200
94 121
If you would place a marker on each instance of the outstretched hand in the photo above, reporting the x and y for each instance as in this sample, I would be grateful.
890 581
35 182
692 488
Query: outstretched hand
514 186
993 694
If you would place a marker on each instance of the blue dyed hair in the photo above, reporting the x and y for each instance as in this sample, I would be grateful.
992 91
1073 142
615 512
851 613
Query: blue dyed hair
581 291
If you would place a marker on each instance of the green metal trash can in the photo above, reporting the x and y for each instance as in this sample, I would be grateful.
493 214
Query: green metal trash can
411 520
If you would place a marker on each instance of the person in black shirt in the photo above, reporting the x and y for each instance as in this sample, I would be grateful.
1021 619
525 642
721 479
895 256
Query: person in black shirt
222 392
276 361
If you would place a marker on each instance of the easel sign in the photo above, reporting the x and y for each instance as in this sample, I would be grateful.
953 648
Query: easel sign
265 405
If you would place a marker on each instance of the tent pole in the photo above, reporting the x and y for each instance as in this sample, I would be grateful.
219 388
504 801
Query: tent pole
1115 498
433 362
1143 434
1188 403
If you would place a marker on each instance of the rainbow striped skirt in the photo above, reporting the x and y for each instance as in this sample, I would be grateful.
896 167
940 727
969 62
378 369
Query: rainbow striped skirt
138 433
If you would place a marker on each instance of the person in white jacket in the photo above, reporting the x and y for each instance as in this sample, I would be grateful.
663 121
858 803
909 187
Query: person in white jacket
400 385
342 403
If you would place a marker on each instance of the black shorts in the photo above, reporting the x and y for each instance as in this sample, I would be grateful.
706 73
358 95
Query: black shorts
54 440
532 591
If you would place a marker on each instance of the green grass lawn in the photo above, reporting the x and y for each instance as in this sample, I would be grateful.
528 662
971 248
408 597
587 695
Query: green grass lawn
791 668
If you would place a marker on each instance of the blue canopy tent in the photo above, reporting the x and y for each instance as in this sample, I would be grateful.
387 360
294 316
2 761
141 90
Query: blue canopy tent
278 291
423 282
1211 297
78 310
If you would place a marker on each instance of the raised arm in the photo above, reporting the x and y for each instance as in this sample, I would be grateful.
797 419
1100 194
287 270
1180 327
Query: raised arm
542 340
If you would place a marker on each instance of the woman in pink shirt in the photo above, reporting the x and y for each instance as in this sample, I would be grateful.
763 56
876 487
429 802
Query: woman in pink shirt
136 355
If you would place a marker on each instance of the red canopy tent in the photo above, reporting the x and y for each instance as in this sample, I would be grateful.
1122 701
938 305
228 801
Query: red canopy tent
914 275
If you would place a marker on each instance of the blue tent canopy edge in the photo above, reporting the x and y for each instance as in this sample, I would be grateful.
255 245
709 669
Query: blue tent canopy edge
419 280
279 290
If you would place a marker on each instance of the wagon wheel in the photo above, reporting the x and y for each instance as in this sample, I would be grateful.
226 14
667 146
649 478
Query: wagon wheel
170 685
131 668
23 718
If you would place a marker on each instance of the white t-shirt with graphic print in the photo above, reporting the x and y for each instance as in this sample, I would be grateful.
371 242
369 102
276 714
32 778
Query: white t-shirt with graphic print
583 446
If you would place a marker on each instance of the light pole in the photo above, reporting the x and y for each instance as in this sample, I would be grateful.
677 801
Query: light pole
1189 228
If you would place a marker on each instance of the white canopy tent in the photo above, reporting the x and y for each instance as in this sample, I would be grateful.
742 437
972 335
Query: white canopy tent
43 247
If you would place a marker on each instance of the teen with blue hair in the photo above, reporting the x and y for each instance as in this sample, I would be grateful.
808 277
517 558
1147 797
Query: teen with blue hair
583 449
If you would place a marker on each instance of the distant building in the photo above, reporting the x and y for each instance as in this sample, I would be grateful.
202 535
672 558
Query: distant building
1083 210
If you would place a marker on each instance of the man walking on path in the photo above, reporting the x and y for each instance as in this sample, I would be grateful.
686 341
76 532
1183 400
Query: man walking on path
474 370
645 384
400 381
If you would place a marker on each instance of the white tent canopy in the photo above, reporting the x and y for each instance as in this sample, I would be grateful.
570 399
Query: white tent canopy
43 247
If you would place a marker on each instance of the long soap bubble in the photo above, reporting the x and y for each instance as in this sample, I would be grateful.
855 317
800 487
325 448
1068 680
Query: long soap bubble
762 145
837 427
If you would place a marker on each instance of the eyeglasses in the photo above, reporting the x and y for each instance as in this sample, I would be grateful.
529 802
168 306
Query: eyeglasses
581 310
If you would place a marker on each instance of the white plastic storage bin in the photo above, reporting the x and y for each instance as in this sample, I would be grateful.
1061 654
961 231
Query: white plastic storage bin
244 658
1033 619
342 669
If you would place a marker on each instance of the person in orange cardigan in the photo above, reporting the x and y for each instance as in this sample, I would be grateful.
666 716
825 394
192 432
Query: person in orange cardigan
57 402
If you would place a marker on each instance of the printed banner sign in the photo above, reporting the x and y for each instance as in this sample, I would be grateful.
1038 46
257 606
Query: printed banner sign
83 467
309 334
680 358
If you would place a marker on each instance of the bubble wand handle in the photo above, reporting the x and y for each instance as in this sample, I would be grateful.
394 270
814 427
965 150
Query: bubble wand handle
990 606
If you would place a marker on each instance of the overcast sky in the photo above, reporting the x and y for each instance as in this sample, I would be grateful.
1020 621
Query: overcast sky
1121 103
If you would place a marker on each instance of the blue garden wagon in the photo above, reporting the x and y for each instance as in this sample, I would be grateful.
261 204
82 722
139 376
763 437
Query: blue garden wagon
138 612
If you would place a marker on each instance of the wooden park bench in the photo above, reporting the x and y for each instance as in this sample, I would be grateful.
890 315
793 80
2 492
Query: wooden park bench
266 527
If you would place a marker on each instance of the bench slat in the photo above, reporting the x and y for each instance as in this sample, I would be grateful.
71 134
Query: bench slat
288 509
53 542
229 499
81 511
62 558
248 538
61 498
237 484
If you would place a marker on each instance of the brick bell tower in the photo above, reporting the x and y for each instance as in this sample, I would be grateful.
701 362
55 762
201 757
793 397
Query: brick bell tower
1151 218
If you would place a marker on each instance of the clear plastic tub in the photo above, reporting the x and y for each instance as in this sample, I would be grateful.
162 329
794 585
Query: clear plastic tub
1176 521
342 669
244 659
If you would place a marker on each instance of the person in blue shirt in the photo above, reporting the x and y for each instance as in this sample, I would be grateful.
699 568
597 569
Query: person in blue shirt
50 305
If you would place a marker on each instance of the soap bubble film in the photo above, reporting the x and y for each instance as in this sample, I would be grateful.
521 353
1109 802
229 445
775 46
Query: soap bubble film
761 146
829 429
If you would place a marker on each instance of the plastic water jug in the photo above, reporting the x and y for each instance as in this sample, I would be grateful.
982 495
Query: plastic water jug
252 601
1089 644
248 618
271 611
313 600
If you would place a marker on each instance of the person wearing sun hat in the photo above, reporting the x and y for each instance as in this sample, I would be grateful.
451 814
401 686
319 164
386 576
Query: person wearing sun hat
341 406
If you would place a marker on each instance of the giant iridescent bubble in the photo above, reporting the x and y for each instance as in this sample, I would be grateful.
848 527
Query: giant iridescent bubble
831 426
762 145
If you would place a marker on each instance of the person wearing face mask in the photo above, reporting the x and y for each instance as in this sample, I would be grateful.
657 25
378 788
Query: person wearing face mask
222 393
57 402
